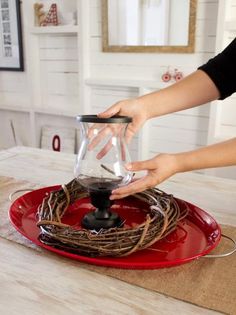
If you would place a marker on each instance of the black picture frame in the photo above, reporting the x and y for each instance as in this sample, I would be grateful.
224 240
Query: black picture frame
11 47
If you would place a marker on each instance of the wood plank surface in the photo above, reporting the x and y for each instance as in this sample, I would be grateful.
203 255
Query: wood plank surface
43 283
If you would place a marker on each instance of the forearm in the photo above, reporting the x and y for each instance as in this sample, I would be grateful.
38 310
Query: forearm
164 166
196 89
216 155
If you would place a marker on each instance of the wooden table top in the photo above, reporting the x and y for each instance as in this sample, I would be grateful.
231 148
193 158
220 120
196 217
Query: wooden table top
43 283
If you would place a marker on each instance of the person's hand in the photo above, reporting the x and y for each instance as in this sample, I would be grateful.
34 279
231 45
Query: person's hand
132 108
158 169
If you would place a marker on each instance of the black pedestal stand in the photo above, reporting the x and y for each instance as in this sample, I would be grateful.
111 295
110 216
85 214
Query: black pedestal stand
102 217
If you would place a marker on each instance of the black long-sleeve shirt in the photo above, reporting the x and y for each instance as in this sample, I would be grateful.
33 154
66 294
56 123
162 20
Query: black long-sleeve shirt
222 70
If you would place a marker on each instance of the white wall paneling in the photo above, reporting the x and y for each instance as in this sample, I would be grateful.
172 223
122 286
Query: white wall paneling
222 125
58 71
68 74
104 96
85 19
183 131
223 112
14 128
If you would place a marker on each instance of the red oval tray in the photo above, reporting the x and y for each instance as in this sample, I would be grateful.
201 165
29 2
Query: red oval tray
194 237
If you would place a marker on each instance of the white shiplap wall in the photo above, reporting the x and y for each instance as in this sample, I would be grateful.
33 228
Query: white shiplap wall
227 108
227 126
223 113
59 72
13 89
11 131
59 88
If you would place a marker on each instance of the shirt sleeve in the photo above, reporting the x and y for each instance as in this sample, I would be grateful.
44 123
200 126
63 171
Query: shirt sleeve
222 70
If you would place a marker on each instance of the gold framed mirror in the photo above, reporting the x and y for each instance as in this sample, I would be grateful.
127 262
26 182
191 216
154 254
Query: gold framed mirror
165 26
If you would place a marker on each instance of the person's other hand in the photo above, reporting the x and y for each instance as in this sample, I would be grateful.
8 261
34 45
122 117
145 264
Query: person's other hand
158 169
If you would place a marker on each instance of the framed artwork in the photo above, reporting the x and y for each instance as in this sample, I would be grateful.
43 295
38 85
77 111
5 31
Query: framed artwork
11 52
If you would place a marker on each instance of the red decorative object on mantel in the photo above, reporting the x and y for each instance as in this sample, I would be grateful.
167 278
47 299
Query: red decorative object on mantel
58 138
56 143
166 77
51 17
176 75
39 14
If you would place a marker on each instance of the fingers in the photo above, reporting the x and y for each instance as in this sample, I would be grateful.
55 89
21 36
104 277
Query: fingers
104 150
135 187
107 132
133 128
158 169
126 108
113 110
101 134
93 130
130 132
141 165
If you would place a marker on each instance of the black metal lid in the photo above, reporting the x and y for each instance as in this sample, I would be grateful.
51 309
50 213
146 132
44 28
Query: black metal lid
111 120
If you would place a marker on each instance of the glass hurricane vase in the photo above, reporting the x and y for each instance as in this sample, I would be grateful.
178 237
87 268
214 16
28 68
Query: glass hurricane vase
100 166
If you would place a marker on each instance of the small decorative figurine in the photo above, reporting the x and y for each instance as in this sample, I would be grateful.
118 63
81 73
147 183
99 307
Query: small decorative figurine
52 17
166 77
45 19
176 76
39 14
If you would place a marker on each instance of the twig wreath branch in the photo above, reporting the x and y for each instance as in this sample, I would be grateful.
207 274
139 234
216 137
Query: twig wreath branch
162 216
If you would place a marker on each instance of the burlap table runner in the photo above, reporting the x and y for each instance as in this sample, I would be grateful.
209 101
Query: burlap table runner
210 283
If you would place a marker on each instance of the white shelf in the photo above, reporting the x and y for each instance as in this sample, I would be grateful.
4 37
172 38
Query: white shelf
61 29
39 111
15 108
127 83
55 112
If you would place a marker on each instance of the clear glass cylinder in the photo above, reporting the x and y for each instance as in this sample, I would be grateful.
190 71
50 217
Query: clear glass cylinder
103 153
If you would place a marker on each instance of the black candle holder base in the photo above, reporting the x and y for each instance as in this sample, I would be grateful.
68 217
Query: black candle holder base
91 222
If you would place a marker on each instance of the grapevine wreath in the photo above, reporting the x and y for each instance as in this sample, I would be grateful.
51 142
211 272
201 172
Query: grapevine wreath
162 216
